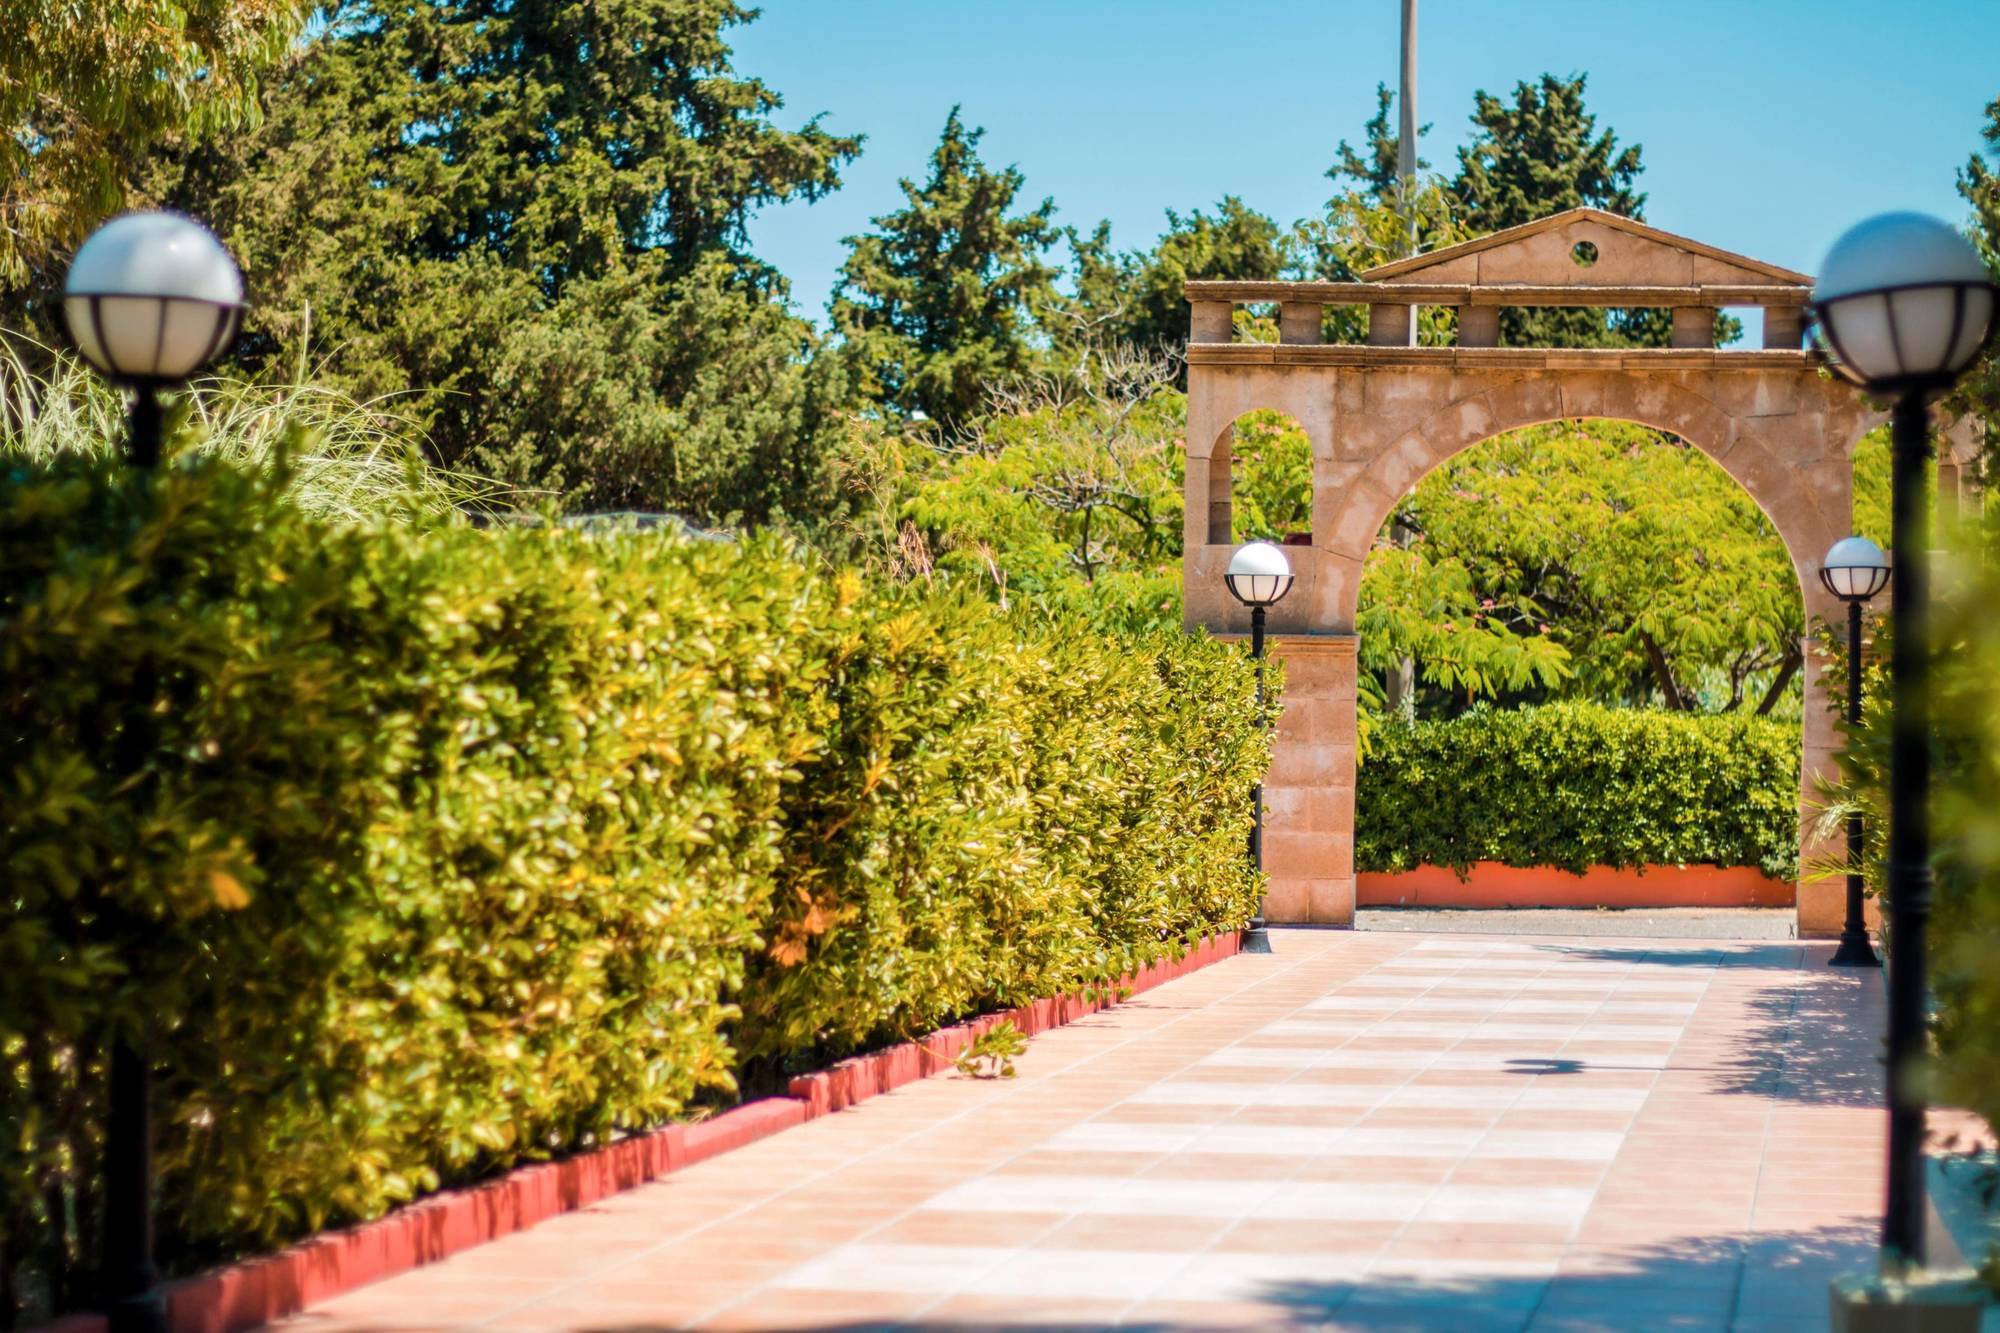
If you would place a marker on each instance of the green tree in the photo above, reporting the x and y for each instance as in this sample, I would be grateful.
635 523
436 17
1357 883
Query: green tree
1064 493
939 301
530 216
1271 492
1979 185
1375 166
1541 153
1140 297
86 86
1652 571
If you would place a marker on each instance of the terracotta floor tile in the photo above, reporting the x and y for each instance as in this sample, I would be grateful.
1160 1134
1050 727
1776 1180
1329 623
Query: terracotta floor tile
1179 1235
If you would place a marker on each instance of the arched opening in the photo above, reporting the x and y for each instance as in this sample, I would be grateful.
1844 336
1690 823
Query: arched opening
1590 558
1580 643
1256 481
1267 483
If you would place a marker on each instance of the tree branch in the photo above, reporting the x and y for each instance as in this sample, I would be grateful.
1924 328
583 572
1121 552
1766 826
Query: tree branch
1786 670
1663 674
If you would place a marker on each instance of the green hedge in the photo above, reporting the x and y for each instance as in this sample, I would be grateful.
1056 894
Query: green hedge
416 853
1575 785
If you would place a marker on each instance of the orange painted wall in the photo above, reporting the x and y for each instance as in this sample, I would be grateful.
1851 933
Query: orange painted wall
1495 885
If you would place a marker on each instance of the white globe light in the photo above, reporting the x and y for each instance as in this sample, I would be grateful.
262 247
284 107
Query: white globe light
1259 574
152 297
1854 569
1904 302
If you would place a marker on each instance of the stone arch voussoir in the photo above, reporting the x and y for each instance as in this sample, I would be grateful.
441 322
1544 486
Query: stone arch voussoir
1480 415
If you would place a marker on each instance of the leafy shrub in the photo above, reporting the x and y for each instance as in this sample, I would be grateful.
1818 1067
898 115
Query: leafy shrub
1963 1068
1576 785
412 853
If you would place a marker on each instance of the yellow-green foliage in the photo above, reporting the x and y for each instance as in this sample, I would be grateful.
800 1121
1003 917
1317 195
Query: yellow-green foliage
1963 1068
417 852
1576 785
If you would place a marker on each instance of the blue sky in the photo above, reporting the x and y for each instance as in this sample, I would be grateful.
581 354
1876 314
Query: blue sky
1768 126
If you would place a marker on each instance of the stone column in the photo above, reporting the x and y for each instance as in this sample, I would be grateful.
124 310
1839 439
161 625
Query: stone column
1211 322
1309 793
1822 903
1221 488
1391 326
1694 326
1479 326
1784 328
1300 322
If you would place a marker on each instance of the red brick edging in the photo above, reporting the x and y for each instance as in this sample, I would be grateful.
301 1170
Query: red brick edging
256 1291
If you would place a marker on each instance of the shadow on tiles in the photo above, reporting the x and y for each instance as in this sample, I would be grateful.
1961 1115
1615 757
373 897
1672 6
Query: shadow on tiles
1801 1031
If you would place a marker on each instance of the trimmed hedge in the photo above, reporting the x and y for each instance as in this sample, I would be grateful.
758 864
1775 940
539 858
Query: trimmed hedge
1575 785
414 853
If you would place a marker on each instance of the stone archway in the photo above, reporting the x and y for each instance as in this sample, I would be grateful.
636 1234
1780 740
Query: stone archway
1382 415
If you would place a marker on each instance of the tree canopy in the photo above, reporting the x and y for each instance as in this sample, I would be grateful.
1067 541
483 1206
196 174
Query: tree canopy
1649 572
1540 152
1376 165
1139 297
530 219
940 299
86 87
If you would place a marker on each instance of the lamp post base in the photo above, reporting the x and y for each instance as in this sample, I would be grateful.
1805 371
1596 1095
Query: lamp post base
144 1313
1854 951
131 1297
1256 939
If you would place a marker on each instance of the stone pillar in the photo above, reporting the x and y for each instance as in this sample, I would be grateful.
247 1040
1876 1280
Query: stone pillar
1784 328
1300 322
1390 325
1211 322
1309 793
1479 326
1694 326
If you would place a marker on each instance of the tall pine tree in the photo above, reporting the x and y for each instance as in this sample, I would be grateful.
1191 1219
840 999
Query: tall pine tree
529 216
1374 166
1541 153
940 300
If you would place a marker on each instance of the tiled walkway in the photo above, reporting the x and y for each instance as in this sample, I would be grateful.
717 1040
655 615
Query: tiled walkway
1364 1131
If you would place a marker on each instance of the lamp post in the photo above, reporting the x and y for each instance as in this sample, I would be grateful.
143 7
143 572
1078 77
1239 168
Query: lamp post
151 298
1854 570
1905 305
1258 576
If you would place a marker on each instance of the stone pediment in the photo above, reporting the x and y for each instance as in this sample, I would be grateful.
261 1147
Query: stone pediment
1542 254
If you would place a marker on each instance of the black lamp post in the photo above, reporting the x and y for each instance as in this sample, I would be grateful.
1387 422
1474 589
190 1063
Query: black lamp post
1259 576
151 299
1854 570
1905 305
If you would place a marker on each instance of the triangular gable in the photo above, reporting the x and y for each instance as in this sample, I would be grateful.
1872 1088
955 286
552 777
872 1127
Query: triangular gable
1629 254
